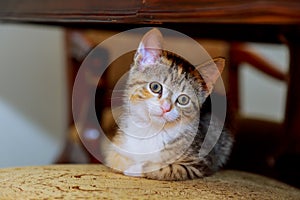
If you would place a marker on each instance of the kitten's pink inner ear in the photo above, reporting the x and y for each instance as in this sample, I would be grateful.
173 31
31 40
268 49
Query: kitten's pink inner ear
211 71
150 47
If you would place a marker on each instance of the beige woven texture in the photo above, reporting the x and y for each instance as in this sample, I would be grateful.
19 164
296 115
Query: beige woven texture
99 182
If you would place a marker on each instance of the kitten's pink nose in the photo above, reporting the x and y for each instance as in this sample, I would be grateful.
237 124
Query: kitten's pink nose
166 106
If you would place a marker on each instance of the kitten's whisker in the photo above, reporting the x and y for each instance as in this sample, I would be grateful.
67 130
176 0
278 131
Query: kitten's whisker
117 91
116 98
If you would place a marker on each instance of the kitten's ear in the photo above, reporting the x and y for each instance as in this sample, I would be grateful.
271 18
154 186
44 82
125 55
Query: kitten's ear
150 49
211 71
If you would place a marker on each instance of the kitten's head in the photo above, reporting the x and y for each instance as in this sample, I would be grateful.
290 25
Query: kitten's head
165 87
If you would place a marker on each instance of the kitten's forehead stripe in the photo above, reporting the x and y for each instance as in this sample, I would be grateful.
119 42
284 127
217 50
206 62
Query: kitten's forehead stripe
137 83
175 61
172 75
179 71
183 88
165 79
182 67
180 82
194 105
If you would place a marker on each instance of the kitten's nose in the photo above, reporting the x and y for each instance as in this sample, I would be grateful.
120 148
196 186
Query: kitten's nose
166 106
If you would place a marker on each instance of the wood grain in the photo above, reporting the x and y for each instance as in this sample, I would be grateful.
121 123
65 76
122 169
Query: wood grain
99 182
153 11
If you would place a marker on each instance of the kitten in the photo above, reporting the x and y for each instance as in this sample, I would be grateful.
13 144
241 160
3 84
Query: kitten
162 127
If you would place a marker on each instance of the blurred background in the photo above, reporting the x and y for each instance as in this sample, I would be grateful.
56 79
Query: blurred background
35 93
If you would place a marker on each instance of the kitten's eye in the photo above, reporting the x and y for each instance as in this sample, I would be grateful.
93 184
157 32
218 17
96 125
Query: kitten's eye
156 87
183 99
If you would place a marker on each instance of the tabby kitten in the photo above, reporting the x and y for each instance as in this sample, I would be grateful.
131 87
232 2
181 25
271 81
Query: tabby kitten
161 127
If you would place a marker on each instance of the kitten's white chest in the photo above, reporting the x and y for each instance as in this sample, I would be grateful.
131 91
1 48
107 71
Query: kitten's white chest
143 146
141 138
141 152
146 145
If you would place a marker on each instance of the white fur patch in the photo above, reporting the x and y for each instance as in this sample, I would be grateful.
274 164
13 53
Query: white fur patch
134 170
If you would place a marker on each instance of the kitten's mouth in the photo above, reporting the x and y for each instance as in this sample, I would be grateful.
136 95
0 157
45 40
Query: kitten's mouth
164 117
157 117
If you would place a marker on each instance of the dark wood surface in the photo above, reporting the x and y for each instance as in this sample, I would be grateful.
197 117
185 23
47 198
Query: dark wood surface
153 11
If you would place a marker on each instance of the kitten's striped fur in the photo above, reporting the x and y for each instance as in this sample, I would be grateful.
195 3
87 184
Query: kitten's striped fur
168 149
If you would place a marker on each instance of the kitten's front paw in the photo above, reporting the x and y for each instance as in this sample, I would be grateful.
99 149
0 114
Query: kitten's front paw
134 170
